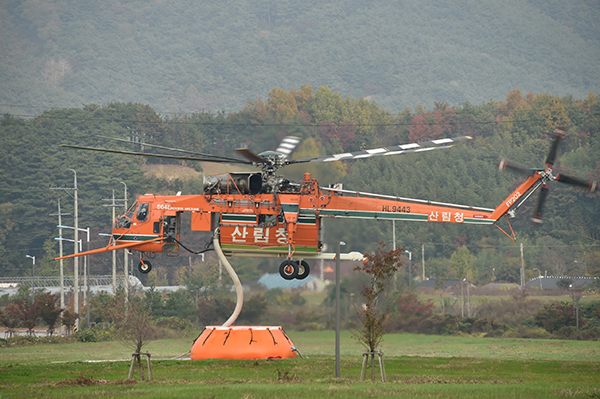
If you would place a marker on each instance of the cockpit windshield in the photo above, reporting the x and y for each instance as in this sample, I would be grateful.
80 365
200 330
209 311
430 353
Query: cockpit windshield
124 221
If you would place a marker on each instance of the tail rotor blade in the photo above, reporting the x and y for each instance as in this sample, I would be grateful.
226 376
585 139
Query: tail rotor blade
559 133
505 164
589 186
536 219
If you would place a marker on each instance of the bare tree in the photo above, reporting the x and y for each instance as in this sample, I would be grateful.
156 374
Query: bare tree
55 71
133 323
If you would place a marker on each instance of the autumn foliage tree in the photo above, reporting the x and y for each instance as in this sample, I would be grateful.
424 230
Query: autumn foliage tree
409 312
10 317
49 312
29 314
375 312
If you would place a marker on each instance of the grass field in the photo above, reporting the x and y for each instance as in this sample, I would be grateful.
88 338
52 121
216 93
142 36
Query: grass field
416 365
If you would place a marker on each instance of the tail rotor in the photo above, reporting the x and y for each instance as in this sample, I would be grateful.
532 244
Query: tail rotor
546 175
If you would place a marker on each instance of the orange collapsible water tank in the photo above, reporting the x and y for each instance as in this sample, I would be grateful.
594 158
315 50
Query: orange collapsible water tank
243 342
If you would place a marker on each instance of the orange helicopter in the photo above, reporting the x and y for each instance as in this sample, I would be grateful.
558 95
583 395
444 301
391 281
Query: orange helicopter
263 214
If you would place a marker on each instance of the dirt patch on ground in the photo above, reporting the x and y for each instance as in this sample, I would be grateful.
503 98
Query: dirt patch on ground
85 381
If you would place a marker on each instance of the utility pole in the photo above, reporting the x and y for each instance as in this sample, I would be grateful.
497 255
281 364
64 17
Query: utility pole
423 259
76 248
60 251
32 278
394 248
113 205
114 255
409 268
125 251
85 266
522 268
337 309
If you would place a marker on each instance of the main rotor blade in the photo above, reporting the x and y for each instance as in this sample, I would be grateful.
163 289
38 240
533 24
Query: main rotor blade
513 166
559 133
248 154
573 181
287 145
393 150
167 148
142 154
537 211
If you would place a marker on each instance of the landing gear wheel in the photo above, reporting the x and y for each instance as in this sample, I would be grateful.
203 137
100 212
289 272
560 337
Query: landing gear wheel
303 270
288 269
144 266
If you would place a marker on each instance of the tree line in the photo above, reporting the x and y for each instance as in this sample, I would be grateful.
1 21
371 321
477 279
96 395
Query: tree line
520 128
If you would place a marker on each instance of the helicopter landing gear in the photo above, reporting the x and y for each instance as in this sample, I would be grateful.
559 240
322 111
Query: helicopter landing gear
303 270
144 266
290 270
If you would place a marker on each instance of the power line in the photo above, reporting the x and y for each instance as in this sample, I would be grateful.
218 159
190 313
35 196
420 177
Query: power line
290 125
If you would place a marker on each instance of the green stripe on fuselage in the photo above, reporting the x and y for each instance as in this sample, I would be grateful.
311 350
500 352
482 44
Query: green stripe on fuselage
237 218
373 215
133 237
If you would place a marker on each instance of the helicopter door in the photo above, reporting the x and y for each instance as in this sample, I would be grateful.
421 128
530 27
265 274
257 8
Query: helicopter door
171 226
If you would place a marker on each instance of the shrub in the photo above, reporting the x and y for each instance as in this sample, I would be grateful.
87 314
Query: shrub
523 332
310 320
409 313
445 324
175 323
513 312
96 334
554 316
570 332
27 340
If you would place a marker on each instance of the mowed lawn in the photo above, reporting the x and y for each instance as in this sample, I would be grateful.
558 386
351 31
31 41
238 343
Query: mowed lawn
416 365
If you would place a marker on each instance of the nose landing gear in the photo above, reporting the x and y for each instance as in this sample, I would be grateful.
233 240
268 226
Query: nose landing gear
290 270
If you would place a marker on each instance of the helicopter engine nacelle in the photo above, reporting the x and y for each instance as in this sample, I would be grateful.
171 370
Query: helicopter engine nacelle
233 183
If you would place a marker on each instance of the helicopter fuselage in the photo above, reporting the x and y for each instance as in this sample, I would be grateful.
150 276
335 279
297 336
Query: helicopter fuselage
282 223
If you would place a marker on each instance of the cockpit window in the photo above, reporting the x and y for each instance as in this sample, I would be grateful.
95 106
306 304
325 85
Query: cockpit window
132 207
142 212
124 221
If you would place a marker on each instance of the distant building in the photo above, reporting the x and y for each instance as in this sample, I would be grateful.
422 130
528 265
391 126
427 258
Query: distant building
272 281
501 286
549 283
431 283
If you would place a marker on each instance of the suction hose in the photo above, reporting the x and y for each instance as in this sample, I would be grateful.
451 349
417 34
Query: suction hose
236 281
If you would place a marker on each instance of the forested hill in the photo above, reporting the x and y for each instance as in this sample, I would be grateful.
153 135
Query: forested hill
519 128
190 56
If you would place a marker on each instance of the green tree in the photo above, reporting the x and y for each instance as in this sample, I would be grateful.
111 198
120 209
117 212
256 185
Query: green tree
47 265
462 261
